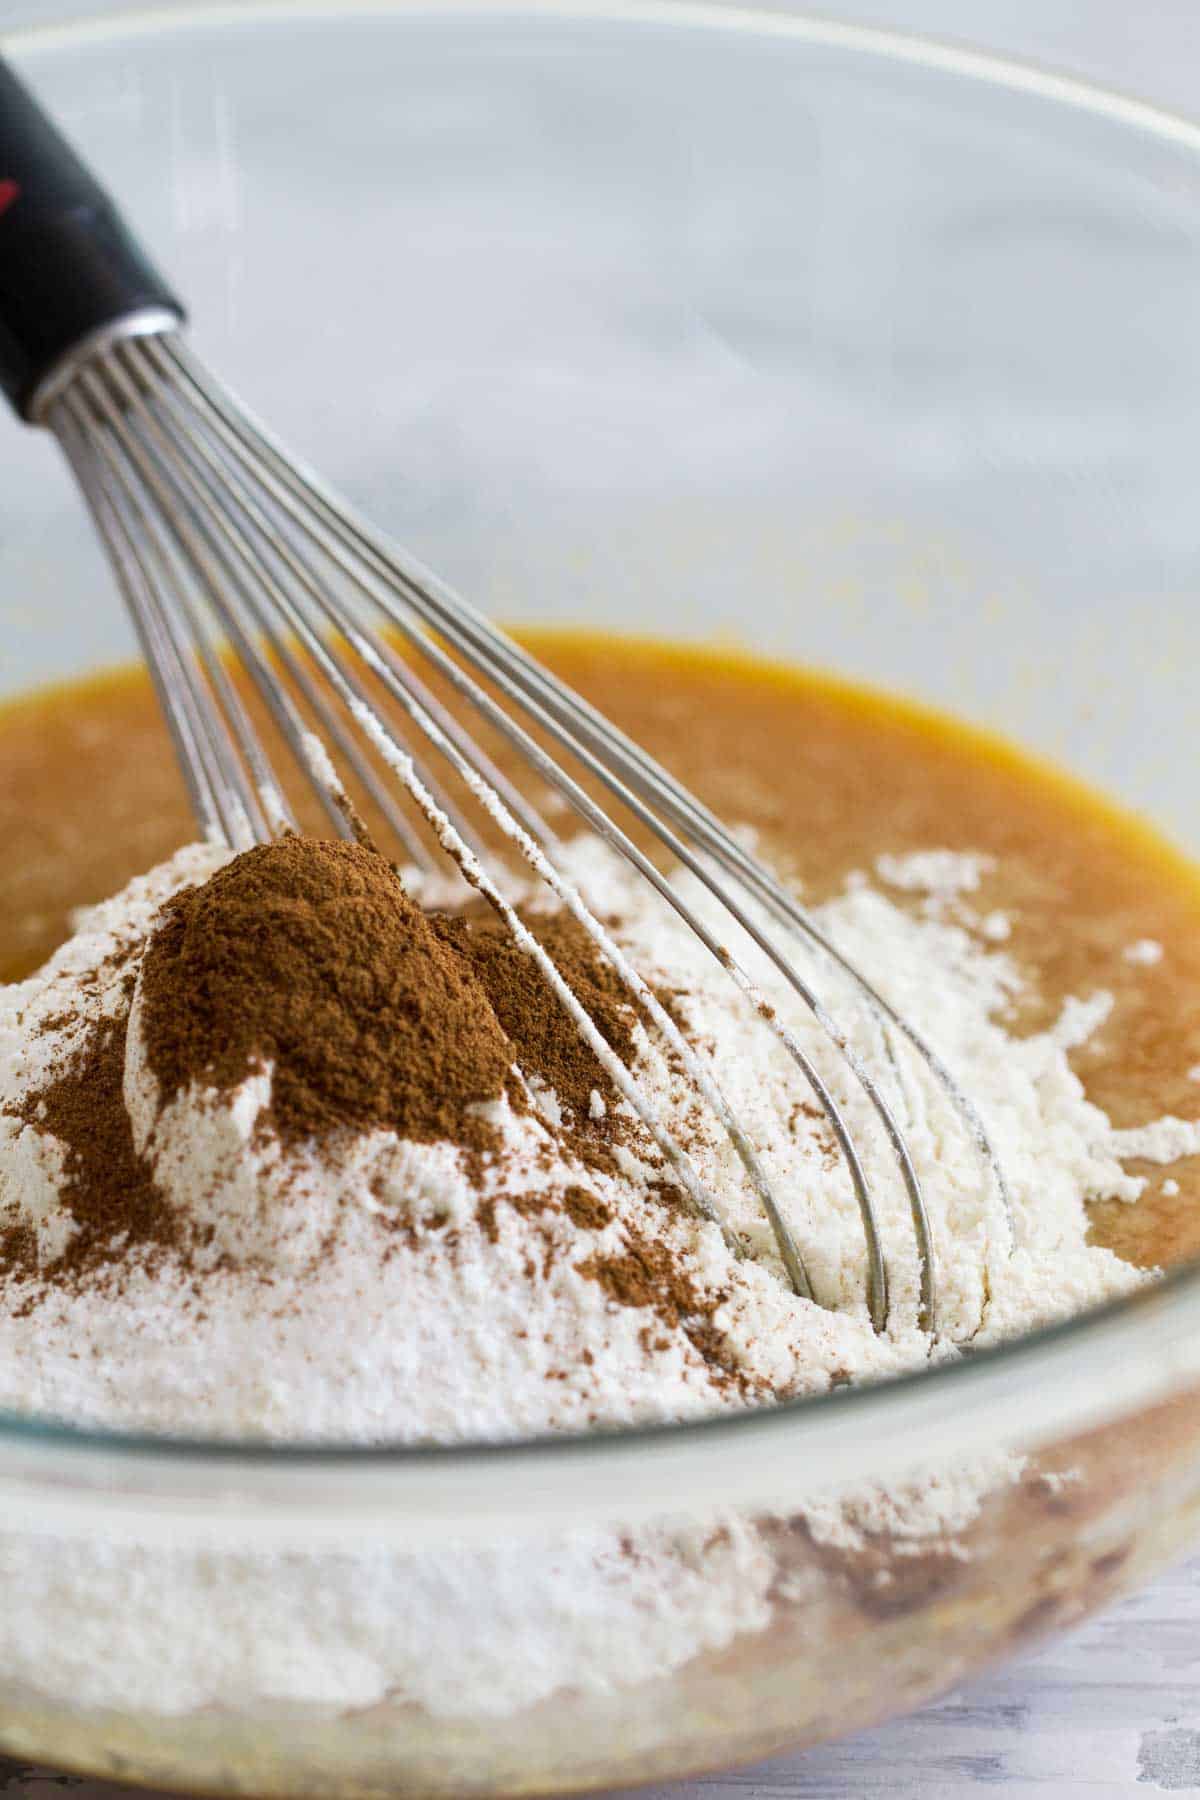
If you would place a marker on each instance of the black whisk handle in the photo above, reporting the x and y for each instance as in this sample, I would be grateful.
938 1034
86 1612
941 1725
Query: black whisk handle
71 271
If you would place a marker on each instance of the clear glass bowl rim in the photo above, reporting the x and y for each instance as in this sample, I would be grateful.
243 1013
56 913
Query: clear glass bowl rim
1063 1379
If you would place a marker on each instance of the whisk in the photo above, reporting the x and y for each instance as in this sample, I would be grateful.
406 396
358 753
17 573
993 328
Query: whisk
228 551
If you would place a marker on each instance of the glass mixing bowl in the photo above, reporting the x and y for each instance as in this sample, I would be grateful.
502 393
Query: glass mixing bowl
868 352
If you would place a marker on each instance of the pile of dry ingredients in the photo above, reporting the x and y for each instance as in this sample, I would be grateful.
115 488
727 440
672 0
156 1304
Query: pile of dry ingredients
288 1152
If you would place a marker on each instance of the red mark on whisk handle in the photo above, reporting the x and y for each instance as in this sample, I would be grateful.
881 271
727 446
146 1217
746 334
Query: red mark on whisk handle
70 268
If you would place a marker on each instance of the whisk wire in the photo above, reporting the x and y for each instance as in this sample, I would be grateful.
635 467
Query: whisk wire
580 725
603 825
463 852
408 692
404 688
264 558
216 535
214 780
368 584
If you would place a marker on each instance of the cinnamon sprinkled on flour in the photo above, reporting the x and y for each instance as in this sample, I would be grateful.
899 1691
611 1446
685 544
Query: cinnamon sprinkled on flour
647 1273
352 1283
108 1190
546 1043
310 955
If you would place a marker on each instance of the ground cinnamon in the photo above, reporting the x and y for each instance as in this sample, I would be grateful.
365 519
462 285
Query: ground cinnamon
646 1272
312 956
546 1042
106 1188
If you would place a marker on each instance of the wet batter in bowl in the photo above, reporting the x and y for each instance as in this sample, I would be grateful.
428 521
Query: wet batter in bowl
830 778
230 1208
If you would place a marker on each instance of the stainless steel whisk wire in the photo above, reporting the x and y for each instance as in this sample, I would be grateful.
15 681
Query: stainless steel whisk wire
197 506
222 544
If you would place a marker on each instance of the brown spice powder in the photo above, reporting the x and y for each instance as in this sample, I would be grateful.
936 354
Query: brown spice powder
107 1189
587 1210
546 1041
311 955
648 1273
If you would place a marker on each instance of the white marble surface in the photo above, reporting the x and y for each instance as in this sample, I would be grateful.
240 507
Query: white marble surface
1114 1710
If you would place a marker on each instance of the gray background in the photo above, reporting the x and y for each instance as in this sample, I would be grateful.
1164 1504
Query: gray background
1115 1709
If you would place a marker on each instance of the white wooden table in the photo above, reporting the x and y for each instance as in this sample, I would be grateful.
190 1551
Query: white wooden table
1110 1713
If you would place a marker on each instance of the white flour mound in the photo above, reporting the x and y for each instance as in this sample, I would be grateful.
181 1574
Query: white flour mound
463 1333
